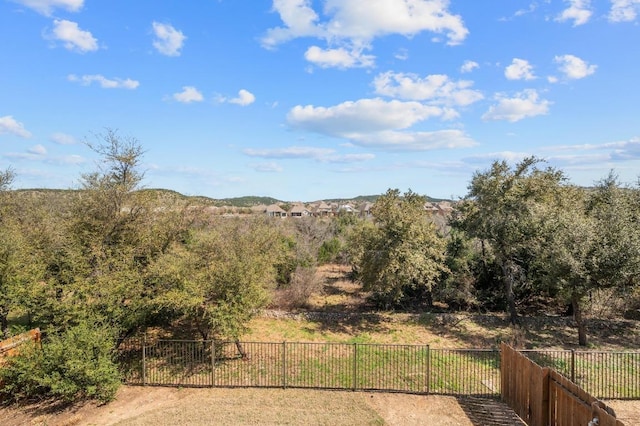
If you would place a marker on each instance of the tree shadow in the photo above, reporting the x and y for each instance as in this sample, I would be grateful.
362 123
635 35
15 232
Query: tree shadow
488 411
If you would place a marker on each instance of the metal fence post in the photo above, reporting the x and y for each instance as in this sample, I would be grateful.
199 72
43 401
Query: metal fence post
213 363
284 365
355 367
144 360
428 372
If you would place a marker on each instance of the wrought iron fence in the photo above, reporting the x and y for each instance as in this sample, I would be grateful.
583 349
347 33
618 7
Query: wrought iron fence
351 366
357 366
603 374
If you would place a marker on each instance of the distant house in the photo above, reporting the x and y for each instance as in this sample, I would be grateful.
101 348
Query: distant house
430 207
275 210
444 207
299 210
322 209
346 208
365 209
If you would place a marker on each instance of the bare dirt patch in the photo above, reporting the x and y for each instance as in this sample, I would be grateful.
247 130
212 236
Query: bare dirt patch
162 406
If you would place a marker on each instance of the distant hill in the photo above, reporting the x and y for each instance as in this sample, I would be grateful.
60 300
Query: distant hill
170 195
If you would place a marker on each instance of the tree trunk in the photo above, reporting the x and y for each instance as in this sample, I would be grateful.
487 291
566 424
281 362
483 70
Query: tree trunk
4 325
243 353
580 321
508 272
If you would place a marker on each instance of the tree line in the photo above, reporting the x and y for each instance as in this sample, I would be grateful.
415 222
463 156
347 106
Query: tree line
114 260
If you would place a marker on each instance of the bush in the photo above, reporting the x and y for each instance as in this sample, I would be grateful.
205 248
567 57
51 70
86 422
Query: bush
76 364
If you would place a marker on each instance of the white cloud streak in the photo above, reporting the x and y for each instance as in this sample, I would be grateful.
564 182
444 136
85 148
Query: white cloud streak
63 139
46 7
338 58
105 83
72 37
523 105
9 125
168 40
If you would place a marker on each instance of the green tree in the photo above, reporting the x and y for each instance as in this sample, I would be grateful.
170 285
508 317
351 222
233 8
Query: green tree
400 256
500 210
592 242
220 278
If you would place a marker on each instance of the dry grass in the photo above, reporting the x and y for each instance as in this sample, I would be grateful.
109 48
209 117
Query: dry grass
138 406
340 313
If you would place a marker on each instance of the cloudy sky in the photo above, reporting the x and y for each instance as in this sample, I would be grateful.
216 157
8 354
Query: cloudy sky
314 99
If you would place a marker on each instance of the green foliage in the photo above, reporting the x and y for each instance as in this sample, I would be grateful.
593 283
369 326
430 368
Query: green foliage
75 364
592 242
329 251
500 210
401 256
220 279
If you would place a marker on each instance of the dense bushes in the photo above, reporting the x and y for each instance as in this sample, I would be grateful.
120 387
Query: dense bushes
76 364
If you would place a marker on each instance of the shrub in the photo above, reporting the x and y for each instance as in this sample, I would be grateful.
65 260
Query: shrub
73 365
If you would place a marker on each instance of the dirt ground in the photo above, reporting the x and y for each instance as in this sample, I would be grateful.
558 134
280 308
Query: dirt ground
179 406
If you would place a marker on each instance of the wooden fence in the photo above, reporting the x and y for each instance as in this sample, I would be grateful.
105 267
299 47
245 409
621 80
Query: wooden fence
541 396
10 346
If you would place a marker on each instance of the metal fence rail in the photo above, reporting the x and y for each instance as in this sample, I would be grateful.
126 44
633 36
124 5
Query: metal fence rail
356 366
350 366
603 374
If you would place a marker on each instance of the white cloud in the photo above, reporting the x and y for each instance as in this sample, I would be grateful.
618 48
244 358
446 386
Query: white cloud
469 66
63 139
437 88
624 10
353 24
338 58
289 152
189 94
524 104
348 158
364 115
267 167
46 7
105 83
573 67
392 140
244 98
610 151
323 155
9 125
168 40
67 160
39 150
579 11
520 69
72 37
380 124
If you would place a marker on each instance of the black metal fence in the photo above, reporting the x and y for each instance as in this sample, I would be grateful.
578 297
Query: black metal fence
349 366
356 366
603 374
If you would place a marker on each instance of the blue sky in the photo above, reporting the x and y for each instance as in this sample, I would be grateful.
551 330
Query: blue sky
307 100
